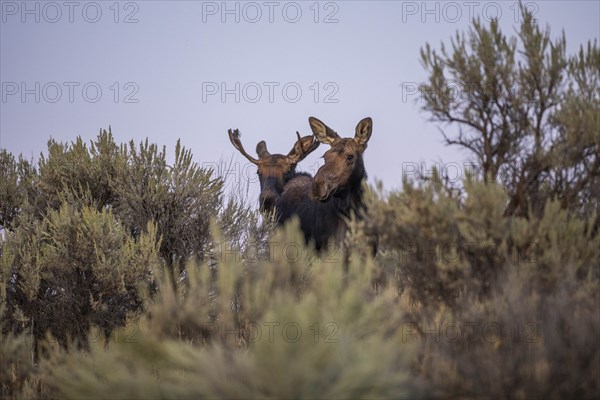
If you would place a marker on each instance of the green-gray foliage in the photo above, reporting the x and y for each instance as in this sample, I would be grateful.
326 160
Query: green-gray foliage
71 230
17 178
521 292
303 330
74 269
180 198
124 276
526 111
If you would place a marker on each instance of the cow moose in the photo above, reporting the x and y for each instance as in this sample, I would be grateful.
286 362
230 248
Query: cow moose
324 203
275 170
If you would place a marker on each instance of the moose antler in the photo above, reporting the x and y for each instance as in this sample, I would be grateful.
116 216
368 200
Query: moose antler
234 137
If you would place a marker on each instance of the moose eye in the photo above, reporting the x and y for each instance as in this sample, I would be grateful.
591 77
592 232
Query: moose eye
350 157
287 174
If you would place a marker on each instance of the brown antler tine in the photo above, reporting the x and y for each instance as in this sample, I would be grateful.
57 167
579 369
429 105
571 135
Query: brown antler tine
300 141
237 143
235 133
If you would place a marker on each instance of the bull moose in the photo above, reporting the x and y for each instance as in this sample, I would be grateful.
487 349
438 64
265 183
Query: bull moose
275 170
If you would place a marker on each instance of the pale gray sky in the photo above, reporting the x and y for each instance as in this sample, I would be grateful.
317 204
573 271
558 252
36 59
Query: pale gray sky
191 70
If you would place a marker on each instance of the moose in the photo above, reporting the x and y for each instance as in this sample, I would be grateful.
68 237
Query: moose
275 170
324 203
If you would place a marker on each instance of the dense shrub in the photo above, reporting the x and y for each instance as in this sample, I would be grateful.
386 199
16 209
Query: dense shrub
85 233
17 186
300 327
526 112
451 250
460 301
122 275
75 269
501 304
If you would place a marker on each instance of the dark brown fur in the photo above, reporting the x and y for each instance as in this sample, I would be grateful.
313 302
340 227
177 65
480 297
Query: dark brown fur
324 203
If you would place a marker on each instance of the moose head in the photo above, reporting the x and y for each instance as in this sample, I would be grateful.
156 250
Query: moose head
344 169
274 170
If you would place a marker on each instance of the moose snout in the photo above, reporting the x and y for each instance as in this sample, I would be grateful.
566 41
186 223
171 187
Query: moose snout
319 191
322 188
267 201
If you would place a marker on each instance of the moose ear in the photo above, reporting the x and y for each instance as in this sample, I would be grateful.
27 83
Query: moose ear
363 131
303 147
261 149
323 133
